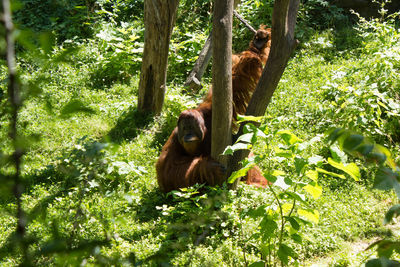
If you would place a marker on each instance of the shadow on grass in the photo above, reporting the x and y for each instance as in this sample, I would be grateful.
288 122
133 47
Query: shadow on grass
129 125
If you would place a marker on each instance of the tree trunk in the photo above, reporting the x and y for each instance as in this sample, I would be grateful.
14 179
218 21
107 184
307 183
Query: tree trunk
222 79
159 20
282 45
193 80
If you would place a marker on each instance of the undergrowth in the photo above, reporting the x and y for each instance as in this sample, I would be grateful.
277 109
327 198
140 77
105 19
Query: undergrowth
92 195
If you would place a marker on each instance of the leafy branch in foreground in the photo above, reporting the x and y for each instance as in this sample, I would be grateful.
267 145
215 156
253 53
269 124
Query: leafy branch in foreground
291 176
15 158
387 177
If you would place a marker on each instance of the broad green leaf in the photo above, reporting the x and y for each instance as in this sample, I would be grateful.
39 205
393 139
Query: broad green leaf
381 262
352 141
351 168
245 137
392 212
296 238
337 153
249 118
293 195
299 163
330 173
240 173
284 252
229 150
268 227
258 264
315 191
312 216
365 149
260 133
283 153
272 177
266 249
386 152
289 137
277 173
286 207
335 134
386 179
312 174
295 225
315 159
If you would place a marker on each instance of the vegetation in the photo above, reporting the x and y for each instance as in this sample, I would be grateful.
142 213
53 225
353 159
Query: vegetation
90 191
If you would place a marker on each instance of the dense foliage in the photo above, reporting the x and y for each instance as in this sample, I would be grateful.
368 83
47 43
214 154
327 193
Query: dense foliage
90 192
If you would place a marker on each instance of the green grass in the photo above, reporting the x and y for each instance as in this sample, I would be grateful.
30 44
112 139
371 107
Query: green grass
91 177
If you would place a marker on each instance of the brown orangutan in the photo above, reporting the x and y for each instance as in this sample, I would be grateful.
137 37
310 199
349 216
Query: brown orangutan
247 71
185 159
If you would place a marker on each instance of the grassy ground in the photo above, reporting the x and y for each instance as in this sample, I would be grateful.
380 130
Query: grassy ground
91 177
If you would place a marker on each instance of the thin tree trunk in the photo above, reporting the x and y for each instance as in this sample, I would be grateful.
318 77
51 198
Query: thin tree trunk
282 46
15 105
222 79
159 19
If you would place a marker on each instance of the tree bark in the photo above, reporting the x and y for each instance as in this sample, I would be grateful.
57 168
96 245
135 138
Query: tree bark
193 80
222 79
159 19
282 45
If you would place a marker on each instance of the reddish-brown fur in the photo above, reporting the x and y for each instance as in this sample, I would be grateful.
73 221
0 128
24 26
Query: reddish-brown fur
177 167
247 69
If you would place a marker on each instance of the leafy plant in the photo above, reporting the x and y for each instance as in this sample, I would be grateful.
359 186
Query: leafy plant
281 219
387 177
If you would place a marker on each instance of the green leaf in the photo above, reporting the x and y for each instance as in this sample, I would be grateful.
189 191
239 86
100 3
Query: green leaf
295 225
351 168
310 215
229 150
284 252
245 138
268 227
299 163
297 238
47 41
315 159
289 137
293 195
386 179
75 106
337 154
315 191
386 152
330 173
249 118
392 212
240 173
258 264
382 262
352 141
365 149
335 134
312 174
